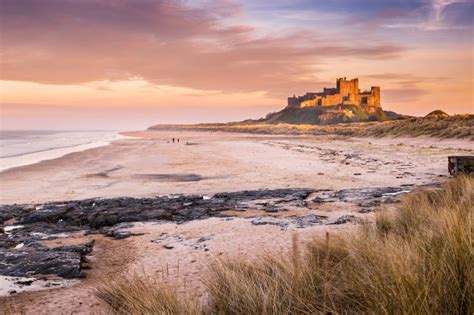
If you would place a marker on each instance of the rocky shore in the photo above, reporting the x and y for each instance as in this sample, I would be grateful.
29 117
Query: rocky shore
26 227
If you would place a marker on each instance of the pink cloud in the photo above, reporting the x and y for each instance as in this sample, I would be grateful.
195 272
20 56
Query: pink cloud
163 42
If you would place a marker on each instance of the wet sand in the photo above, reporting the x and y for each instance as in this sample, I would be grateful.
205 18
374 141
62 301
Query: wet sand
151 164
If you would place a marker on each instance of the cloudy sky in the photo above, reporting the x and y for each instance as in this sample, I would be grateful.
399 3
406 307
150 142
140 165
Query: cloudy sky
127 64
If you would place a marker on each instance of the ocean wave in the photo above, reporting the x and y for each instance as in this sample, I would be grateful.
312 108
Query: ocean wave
27 151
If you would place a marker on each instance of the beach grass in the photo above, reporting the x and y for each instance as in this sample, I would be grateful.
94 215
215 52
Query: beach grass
131 294
415 259
456 126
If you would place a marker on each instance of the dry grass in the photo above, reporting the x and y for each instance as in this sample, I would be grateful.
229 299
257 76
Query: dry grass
418 259
458 126
11 308
131 294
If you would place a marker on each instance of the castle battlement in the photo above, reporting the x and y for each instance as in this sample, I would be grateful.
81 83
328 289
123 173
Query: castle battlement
346 92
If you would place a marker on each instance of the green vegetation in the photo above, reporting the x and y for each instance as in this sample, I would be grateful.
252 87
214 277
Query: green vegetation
324 115
418 259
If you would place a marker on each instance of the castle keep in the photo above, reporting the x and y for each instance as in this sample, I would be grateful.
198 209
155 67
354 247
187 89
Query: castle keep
346 92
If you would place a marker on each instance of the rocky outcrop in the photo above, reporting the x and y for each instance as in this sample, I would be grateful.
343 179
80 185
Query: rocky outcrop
286 222
366 198
98 213
63 261
22 252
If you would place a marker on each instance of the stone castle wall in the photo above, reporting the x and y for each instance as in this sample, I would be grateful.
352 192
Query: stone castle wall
346 93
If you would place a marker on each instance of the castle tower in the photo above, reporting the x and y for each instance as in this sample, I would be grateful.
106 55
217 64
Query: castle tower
348 89
344 87
293 102
375 92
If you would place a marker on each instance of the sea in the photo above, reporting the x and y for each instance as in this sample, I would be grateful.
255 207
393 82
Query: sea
24 147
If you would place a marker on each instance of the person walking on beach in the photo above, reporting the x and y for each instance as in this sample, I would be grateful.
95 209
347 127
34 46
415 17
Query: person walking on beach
178 140
173 140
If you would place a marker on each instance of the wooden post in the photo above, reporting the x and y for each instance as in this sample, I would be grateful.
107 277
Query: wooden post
460 164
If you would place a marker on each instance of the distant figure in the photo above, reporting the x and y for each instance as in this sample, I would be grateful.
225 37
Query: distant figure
178 140
173 140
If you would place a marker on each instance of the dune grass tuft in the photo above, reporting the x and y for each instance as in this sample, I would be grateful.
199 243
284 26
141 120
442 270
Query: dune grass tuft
418 259
131 294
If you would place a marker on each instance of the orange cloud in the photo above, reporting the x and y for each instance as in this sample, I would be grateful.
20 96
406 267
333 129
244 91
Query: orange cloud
163 42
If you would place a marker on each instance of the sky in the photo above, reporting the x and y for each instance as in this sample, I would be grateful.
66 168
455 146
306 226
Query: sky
129 64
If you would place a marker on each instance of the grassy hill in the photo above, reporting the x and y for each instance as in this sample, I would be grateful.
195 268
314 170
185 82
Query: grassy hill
328 115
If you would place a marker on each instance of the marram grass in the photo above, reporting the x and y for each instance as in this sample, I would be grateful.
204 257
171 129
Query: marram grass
418 259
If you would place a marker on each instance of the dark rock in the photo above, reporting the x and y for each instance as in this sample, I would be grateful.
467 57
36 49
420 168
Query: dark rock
282 223
83 249
271 210
265 221
265 194
120 234
285 222
309 220
21 263
344 219
35 258
104 219
204 239
24 282
111 216
98 213
366 198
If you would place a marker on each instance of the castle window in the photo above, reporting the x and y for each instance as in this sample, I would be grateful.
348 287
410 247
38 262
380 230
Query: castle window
364 101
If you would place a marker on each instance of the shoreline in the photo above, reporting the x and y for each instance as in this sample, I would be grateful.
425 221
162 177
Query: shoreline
31 158
28 159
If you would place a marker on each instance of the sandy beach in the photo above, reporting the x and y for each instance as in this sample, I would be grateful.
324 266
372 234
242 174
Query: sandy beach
149 164
206 163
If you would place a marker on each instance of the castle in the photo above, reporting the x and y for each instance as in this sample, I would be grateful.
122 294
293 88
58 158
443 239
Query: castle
346 92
